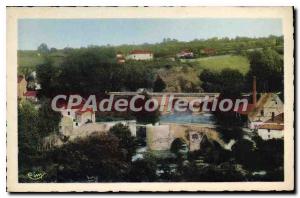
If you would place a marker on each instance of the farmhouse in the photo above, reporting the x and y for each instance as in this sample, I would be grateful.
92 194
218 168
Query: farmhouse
30 95
266 116
77 115
140 55
208 51
120 58
79 122
185 54
272 128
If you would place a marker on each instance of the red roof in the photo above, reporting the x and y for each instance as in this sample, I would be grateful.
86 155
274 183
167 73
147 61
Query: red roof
140 52
279 127
80 111
277 119
249 108
30 94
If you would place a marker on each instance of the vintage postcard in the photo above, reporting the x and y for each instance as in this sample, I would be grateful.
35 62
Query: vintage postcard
156 99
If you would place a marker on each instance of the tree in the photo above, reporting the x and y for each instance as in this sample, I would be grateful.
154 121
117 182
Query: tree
229 82
43 48
143 171
177 145
232 83
267 66
87 71
244 152
48 77
52 50
159 84
48 119
96 156
145 116
28 136
127 142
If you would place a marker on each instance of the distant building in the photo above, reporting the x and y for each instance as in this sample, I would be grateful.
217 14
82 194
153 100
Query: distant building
266 115
31 95
120 58
77 115
185 54
272 128
140 55
119 55
22 86
208 51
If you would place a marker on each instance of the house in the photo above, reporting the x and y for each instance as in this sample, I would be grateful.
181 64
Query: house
31 95
22 86
70 133
208 51
119 55
266 116
272 128
185 54
120 58
77 115
140 55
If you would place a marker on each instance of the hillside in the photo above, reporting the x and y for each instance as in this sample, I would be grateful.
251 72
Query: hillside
218 63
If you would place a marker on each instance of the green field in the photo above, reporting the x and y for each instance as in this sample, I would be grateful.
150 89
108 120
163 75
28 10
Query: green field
29 58
217 63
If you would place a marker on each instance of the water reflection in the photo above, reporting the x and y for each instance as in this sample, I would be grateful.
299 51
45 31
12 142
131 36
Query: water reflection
188 117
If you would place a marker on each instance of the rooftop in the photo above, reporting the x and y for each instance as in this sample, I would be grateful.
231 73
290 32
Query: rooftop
140 52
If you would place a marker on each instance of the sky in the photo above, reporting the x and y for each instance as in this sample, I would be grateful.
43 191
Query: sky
60 33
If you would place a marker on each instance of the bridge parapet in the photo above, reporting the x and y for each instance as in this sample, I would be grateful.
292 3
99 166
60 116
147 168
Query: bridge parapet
175 94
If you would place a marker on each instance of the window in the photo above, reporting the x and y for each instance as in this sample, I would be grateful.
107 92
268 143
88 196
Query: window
68 112
76 123
262 112
195 136
269 130
273 116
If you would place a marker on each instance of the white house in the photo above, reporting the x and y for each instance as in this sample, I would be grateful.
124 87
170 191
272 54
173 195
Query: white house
272 128
140 55
77 122
267 117
75 117
185 54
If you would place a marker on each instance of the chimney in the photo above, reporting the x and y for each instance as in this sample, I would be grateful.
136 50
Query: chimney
254 91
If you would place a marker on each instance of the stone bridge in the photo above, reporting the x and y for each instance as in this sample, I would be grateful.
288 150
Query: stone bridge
168 99
161 137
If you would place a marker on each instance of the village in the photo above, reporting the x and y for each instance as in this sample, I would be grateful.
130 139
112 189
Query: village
172 144
265 117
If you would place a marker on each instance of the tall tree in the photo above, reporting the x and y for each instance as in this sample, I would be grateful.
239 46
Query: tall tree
159 84
127 142
48 77
48 119
43 48
267 66
28 136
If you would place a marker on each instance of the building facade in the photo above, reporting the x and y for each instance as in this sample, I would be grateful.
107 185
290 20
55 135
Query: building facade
22 86
140 55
